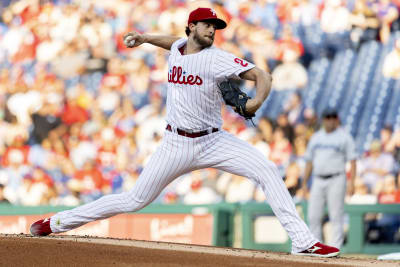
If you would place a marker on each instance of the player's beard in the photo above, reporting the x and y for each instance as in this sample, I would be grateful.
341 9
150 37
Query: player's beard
202 41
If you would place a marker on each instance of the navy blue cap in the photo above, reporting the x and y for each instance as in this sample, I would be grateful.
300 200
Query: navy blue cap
330 112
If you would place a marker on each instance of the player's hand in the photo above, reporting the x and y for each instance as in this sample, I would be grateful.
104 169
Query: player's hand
134 39
350 188
252 105
303 194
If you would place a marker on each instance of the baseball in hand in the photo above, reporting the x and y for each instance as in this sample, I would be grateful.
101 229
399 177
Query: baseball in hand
129 41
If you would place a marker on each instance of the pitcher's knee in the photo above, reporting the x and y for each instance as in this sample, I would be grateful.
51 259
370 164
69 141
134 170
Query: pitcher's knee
132 203
270 169
269 173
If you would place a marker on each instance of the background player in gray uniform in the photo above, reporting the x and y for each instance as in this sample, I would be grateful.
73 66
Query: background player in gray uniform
327 154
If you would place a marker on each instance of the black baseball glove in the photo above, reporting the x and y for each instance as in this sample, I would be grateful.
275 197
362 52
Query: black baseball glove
234 97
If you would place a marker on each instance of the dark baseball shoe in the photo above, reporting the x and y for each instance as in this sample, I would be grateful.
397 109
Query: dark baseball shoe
41 227
319 250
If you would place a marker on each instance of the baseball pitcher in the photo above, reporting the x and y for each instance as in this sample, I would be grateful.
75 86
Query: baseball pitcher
198 84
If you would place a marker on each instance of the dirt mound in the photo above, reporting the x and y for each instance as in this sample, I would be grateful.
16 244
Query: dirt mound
25 250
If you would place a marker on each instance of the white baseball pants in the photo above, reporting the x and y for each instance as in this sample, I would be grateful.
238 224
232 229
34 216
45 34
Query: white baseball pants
178 155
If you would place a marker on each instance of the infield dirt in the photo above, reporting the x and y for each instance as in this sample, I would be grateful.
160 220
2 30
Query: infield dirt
25 250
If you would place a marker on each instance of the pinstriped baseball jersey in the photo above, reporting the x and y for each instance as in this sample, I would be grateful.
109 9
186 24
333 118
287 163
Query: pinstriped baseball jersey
193 103
193 99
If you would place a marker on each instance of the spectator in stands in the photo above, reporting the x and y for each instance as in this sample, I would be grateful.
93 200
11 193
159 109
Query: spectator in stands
335 17
3 199
115 79
263 13
23 102
96 61
389 192
11 129
107 152
375 166
80 147
91 182
306 13
387 13
282 122
292 178
281 149
261 44
211 177
335 22
364 23
137 69
388 223
385 137
41 155
15 172
361 194
295 108
70 62
45 120
288 45
239 190
198 193
265 126
391 65
311 120
84 98
171 18
170 198
37 189
299 151
394 145
17 146
108 100
301 130
72 197
257 141
73 112
290 74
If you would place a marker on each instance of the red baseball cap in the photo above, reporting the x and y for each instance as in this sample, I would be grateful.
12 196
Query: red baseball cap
203 13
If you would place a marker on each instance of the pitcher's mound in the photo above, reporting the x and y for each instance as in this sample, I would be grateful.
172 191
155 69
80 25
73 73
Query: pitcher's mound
25 250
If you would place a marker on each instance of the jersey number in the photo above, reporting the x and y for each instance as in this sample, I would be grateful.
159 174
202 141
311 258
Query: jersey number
241 62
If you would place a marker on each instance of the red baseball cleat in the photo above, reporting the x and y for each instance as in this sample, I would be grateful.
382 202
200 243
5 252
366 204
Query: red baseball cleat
41 227
319 250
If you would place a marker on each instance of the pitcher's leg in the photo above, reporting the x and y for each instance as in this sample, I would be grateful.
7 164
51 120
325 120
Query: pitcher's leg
316 207
165 164
282 204
336 193
233 155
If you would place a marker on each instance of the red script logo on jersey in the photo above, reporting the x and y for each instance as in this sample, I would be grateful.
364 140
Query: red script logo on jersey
241 62
177 75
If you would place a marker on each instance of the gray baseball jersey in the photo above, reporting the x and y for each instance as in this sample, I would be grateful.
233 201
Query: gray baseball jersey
329 152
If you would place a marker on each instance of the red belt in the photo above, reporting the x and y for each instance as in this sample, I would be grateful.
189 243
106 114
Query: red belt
192 135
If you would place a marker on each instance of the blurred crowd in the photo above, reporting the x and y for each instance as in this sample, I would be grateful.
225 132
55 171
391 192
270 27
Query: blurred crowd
80 114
